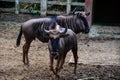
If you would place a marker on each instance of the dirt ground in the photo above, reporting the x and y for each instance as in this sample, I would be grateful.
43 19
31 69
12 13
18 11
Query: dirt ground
99 59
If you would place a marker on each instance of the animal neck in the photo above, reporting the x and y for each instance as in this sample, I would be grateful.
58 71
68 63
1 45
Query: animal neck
54 44
71 22
86 25
75 24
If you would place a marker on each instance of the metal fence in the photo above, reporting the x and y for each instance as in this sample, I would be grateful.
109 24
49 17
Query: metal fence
44 5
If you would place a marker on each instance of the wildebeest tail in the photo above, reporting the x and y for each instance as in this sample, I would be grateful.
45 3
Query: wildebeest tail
19 37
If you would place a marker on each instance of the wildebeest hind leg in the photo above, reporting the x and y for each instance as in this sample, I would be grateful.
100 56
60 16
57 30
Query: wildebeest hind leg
25 52
75 59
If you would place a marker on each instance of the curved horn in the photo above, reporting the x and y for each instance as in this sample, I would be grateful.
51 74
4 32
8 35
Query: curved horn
63 31
77 12
46 31
74 10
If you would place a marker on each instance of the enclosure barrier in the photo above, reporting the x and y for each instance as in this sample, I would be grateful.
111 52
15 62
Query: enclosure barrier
43 6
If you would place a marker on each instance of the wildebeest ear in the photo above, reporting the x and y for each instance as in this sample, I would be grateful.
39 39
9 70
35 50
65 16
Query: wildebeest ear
88 13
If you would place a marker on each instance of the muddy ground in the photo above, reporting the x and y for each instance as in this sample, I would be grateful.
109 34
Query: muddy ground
99 59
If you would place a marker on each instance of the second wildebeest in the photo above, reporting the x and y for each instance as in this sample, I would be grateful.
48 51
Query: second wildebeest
61 40
34 29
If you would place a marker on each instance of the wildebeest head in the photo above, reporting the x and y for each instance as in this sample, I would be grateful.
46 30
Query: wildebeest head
80 13
83 16
55 32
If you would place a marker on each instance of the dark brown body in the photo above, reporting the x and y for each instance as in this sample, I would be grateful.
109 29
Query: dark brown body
66 43
34 29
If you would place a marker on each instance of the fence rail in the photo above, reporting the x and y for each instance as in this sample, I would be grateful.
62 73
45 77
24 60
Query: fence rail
43 6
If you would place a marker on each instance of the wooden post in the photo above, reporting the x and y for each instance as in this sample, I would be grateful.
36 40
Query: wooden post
17 6
68 6
88 5
43 7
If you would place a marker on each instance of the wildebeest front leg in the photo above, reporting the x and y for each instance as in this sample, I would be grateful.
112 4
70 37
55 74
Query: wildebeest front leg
51 63
58 65
62 61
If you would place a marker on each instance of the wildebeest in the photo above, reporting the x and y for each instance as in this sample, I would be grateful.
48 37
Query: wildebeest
61 40
34 29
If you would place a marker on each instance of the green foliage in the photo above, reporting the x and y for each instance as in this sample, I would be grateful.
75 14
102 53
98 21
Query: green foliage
78 0
32 8
35 8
